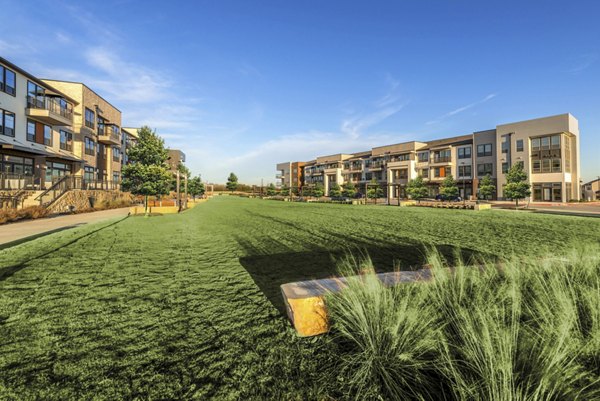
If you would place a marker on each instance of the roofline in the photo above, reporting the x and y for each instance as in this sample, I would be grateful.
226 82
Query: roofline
538 118
81 83
32 77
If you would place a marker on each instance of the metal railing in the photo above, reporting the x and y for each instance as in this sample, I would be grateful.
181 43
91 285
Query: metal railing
69 182
16 181
51 104
444 159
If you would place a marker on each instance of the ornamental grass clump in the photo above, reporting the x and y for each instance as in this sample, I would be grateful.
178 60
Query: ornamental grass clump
518 329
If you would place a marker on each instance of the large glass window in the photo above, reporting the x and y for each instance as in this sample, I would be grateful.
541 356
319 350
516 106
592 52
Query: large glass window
90 118
90 146
88 173
423 156
8 81
116 154
66 140
16 165
484 169
35 95
547 192
519 145
47 135
55 171
464 171
484 150
7 123
442 156
30 131
464 153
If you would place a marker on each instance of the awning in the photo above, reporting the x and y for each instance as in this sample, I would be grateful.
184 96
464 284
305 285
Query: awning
11 143
66 156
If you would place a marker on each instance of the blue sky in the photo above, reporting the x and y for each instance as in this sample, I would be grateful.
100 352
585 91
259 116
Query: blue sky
241 85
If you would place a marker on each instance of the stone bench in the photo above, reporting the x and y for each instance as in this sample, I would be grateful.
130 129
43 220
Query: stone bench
305 300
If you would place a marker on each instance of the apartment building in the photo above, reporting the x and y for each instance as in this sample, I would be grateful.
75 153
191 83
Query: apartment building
290 174
129 139
176 157
37 131
590 191
547 148
97 132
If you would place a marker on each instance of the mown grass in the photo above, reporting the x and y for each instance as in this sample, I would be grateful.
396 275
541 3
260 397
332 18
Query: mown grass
188 306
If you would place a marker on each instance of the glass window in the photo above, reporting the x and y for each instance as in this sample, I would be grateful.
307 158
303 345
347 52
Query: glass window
464 153
7 123
66 140
10 80
47 135
504 168
505 145
536 166
1 78
555 140
424 156
30 131
90 118
535 144
484 169
545 142
519 145
556 166
484 150
464 171
546 166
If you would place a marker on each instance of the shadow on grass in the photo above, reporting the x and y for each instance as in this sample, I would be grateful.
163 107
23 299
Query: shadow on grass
36 236
7 271
270 271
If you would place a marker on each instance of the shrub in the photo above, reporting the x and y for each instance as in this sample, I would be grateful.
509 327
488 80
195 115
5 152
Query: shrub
522 329
32 212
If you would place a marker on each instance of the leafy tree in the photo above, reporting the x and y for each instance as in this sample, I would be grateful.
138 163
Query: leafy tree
318 190
448 187
335 190
196 187
417 189
517 186
374 190
147 173
349 190
232 182
271 190
486 187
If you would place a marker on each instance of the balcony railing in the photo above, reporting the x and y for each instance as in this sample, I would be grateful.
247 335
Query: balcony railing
9 181
51 104
442 159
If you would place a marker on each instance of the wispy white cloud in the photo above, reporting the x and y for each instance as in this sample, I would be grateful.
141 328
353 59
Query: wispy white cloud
583 62
461 109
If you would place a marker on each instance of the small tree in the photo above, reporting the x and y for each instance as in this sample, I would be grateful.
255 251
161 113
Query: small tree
196 187
335 190
271 190
318 190
448 187
349 190
232 182
486 187
147 173
517 187
417 189
374 190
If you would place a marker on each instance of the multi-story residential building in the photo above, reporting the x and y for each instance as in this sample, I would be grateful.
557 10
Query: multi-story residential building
37 143
129 139
97 129
176 157
290 175
590 191
548 149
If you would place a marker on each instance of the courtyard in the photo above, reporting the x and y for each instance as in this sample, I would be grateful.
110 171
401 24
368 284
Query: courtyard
188 306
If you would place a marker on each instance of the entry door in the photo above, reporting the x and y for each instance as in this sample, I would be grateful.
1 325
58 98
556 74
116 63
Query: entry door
547 194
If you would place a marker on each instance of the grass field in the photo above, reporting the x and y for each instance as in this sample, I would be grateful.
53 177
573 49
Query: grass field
188 306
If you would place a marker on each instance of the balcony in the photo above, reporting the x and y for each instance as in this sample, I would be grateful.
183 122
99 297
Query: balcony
443 159
108 136
49 110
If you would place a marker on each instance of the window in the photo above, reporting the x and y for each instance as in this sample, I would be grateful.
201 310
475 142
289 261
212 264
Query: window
535 144
519 145
504 168
90 146
505 145
16 165
547 192
47 135
66 140
546 166
555 141
484 150
545 142
8 81
423 157
90 118
101 126
88 173
55 171
7 123
464 153
116 177
536 166
424 173
546 154
484 169
35 95
442 156
464 171
116 154
30 131
556 166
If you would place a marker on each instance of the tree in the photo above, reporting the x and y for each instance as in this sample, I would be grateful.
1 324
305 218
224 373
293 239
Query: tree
448 187
374 191
147 173
349 190
486 187
232 182
335 190
271 190
318 190
417 189
517 187
196 187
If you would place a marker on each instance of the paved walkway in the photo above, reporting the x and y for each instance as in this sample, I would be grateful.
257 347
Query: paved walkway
17 232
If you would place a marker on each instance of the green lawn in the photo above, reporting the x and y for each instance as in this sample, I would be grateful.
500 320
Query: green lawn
188 306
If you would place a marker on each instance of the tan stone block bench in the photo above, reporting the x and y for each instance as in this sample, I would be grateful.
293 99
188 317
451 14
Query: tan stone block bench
305 300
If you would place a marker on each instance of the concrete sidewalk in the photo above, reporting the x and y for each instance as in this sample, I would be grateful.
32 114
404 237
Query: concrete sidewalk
17 232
